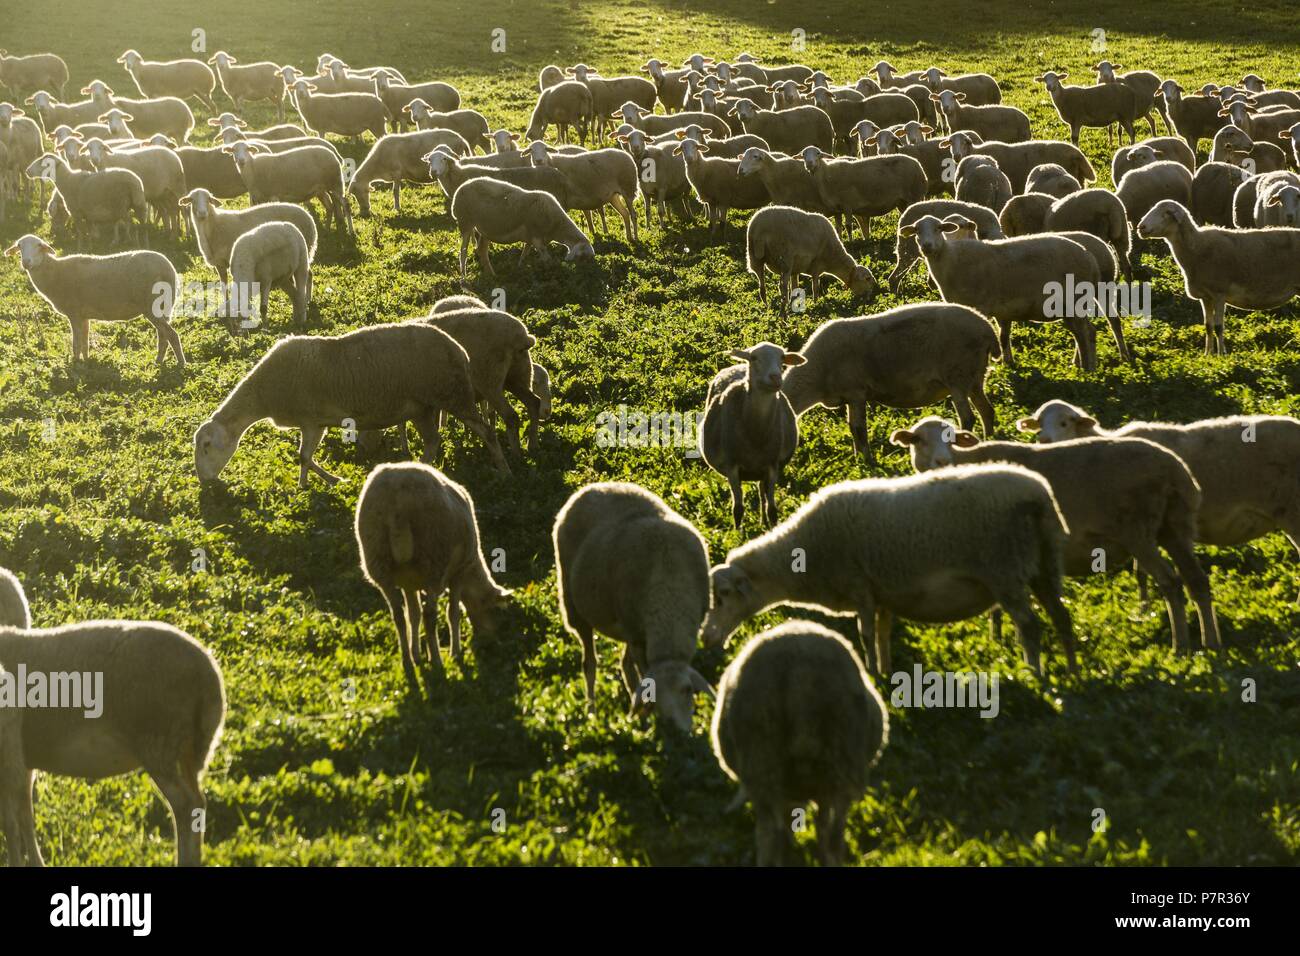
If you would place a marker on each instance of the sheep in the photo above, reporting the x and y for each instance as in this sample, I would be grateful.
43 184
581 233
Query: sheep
884 109
439 97
868 187
595 178
212 168
1194 117
933 157
1124 496
1164 147
397 158
394 373
450 173
52 113
161 703
793 243
980 181
1099 212
1266 125
1213 188
297 175
1144 84
23 141
566 104
1011 280
280 131
273 254
249 81
979 537
548 77
671 85
907 253
37 71
1023 215
231 136
487 210
337 78
1250 269
345 114
1264 97
418 536
1017 159
1277 200
14 611
609 94
165 114
787 131
980 89
160 170
1143 187
470 124
1004 124
777 701
104 288
890 78
750 432
1218 452
1099 105
1053 179
630 567
787 181
178 78
663 174
730 147
653 125
718 184
1233 145
94 198
216 229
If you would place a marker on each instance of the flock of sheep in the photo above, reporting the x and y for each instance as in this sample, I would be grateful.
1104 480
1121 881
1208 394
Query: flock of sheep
997 215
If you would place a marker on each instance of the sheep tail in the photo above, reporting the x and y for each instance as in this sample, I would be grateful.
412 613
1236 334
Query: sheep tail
401 540
209 715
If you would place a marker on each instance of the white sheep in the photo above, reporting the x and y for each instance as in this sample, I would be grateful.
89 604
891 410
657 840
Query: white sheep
718 184
216 228
1017 159
179 78
296 175
593 179
242 82
161 174
1152 182
345 114
14 611
1004 124
1099 105
272 255
37 71
487 210
95 198
397 158
862 188
792 243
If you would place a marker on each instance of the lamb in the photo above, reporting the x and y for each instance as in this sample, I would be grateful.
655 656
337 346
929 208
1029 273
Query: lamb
1124 496
671 85
160 170
776 701
1011 279
1266 125
438 97
907 253
1213 188
1164 147
272 255
787 181
216 229
95 198
1017 159
980 89
1249 269
346 114
609 94
37 71
868 187
161 707
936 547
1145 186
718 184
1144 84
749 432
451 173
297 175
595 178
487 210
249 81
980 181
1099 212
470 124
1004 124
630 567
566 104
793 243
1218 452
1099 105
14 611
167 114
653 125
1053 179
178 78
418 536
787 131
375 377
1194 117
1264 97
104 288
397 158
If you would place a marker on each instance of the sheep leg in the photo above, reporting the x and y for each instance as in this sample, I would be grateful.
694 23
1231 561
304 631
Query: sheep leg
1117 333
311 438
1208 310
884 628
985 408
1047 588
1148 556
16 801
465 237
1028 627
430 432
484 262
501 405
532 403
475 423
858 431
397 606
816 286
772 834
737 497
864 225
588 641
762 282
453 623
785 293
1221 342
867 638
1189 568
832 818
965 417
768 489
1004 339
181 801
168 339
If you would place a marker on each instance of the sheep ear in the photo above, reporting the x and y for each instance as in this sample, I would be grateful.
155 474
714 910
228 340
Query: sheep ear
935 97
961 97
18 112
12 250
907 231
1039 78
700 685
927 130
214 201
1273 201
948 226
1027 424
872 140
965 439
740 355
213 121
792 358
1284 135
945 143
1225 112
902 437
183 201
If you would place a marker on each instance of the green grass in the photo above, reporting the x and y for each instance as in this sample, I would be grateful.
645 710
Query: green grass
326 760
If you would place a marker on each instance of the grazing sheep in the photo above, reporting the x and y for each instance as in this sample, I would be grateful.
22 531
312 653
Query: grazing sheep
652 125
980 89
37 71
487 210
630 567
1194 117
798 719
1213 188
1004 124
249 81
1218 452
438 97
161 174
1053 179
981 182
793 243
272 255
595 178
787 181
161 707
1099 212
95 198
296 175
345 114
1144 84
400 157
749 432
1010 279
1099 105
105 289
718 184
1249 269
1017 159
608 94
566 104
450 173
212 168
418 537
1157 180
14 611
787 131
937 548
1124 496
178 78
890 78
394 374
868 187
906 250
470 124
1023 215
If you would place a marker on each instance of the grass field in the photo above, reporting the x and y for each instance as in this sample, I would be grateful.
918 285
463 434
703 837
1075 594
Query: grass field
325 759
